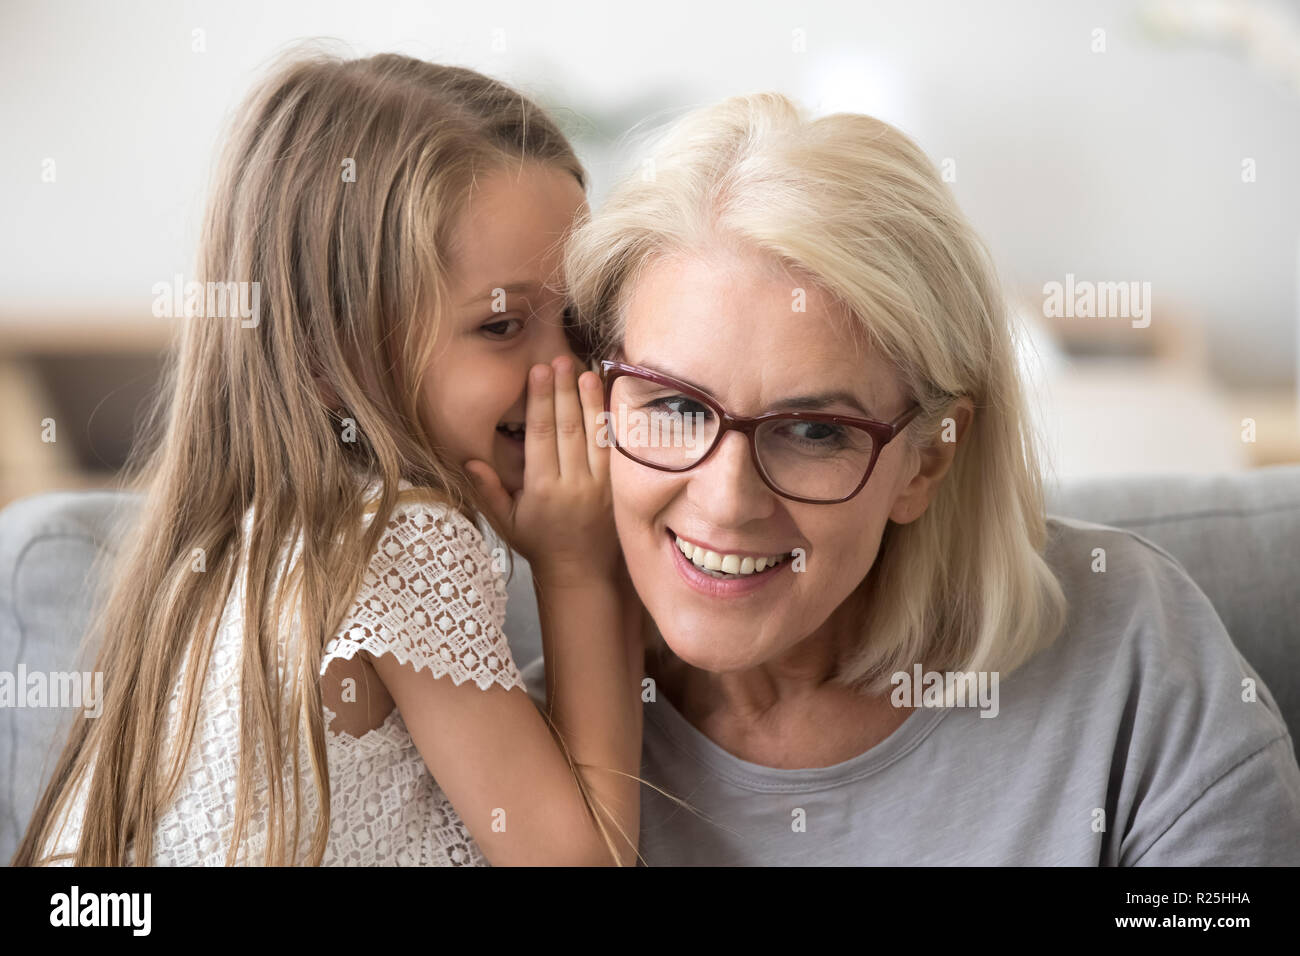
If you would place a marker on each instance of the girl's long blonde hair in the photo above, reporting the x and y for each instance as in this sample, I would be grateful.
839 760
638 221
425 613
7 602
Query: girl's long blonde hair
854 204
336 193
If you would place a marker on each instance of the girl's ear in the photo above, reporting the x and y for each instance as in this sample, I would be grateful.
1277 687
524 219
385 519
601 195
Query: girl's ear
327 395
580 338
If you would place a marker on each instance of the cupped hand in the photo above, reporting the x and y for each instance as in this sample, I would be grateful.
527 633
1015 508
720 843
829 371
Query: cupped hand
561 520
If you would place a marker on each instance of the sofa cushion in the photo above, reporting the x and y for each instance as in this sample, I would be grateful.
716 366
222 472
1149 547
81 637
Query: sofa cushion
48 548
1237 536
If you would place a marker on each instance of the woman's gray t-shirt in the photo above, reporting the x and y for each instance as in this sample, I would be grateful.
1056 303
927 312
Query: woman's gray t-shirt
1135 738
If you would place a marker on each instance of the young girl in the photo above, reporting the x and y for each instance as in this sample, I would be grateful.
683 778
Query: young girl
303 648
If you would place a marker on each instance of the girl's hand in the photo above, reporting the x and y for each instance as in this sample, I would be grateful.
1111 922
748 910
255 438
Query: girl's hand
561 520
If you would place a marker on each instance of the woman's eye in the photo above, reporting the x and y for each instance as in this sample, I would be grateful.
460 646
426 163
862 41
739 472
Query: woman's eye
679 405
502 328
815 431
810 435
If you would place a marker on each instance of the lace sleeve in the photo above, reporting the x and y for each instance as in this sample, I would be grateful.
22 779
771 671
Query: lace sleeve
431 599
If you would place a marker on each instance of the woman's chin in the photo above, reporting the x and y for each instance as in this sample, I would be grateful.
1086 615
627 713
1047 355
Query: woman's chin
705 648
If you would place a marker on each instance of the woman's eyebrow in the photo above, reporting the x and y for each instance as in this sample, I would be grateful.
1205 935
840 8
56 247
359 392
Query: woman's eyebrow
824 399
797 403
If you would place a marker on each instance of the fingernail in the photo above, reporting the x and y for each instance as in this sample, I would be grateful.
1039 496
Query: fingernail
563 365
541 373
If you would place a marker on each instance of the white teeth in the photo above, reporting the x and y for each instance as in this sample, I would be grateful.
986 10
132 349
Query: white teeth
732 564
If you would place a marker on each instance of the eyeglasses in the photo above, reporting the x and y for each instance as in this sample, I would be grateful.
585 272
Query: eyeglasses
810 457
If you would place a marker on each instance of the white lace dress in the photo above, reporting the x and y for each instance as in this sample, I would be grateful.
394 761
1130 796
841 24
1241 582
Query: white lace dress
431 599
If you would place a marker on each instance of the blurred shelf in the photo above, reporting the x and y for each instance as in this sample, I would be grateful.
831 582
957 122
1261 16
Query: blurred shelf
1276 413
92 377
28 333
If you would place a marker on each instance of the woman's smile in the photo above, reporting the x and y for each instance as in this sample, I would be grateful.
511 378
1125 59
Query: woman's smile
724 574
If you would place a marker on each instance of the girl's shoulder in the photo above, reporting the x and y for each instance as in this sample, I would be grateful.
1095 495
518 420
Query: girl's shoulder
425 529
372 490
434 595
422 511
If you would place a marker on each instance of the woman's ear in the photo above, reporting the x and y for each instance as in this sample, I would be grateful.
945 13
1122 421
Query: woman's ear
935 462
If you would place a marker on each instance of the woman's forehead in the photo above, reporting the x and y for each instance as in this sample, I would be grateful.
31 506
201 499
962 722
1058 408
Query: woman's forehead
730 329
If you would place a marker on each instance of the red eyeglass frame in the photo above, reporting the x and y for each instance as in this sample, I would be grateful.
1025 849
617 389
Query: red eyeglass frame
882 433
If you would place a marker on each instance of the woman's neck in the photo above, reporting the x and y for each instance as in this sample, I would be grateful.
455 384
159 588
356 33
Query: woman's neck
786 714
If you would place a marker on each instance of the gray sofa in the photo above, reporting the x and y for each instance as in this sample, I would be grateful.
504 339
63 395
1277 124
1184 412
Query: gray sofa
1238 536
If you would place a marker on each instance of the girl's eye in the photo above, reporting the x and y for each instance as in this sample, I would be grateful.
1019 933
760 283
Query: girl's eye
502 329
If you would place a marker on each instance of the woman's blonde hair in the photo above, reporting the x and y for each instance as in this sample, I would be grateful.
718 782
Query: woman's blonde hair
336 194
855 205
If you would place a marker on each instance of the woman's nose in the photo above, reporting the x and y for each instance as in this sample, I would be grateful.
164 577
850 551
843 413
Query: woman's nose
727 488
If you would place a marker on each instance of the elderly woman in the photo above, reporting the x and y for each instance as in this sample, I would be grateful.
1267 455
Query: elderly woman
869 644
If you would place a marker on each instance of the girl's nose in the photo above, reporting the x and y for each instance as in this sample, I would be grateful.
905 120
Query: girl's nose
554 340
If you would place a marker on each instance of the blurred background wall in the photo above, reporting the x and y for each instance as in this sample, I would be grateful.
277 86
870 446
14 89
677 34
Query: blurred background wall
1152 142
